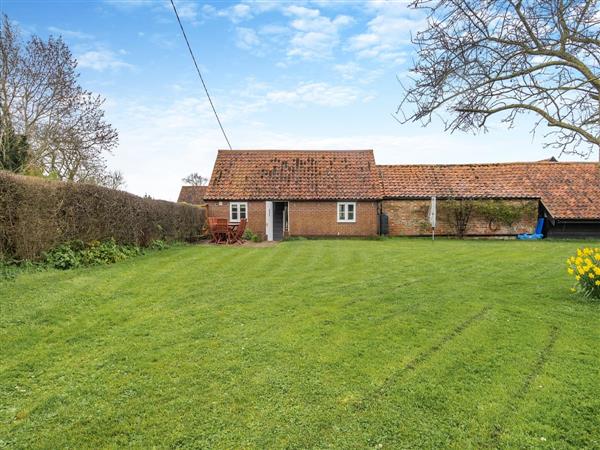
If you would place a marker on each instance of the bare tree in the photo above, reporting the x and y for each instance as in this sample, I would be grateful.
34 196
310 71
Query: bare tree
40 99
195 179
482 58
113 180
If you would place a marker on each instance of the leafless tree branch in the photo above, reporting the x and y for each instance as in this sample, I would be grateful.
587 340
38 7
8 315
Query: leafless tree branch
40 98
482 58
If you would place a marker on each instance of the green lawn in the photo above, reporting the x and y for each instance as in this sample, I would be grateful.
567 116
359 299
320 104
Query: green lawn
308 344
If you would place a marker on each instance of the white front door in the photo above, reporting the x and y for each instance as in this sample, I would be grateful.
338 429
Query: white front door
269 220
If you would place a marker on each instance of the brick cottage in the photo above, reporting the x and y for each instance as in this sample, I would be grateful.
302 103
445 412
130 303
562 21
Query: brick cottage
345 193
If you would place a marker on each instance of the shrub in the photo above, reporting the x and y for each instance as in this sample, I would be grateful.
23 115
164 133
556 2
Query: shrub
585 267
158 244
459 212
500 211
8 271
75 254
63 257
249 235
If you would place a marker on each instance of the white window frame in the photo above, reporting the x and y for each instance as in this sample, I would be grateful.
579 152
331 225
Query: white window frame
237 206
344 206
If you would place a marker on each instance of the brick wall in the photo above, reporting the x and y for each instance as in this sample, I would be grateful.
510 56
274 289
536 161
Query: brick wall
256 214
320 219
308 218
409 218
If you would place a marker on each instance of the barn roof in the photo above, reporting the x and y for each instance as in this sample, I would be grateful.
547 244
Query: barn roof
192 194
567 190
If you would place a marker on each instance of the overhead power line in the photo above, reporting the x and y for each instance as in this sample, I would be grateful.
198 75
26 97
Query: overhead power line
200 74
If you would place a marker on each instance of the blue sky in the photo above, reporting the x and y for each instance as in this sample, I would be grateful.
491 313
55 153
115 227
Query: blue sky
313 74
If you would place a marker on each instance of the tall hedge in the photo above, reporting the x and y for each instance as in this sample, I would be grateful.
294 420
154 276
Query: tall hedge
37 215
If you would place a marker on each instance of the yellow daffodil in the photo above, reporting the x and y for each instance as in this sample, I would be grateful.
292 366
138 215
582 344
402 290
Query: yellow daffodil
585 267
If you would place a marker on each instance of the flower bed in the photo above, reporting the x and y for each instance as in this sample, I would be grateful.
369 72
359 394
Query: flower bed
585 268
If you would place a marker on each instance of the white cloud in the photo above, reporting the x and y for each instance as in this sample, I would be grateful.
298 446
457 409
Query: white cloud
272 29
236 13
101 59
129 4
239 12
315 36
209 10
387 32
186 10
161 143
352 71
246 38
69 33
321 94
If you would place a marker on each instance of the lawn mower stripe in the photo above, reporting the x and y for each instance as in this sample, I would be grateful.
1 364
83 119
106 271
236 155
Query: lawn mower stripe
422 357
525 387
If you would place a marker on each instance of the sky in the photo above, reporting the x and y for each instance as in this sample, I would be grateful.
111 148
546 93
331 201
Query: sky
282 75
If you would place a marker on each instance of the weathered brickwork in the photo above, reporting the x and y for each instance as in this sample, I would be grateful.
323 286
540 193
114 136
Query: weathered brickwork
409 218
256 214
320 219
406 218
308 218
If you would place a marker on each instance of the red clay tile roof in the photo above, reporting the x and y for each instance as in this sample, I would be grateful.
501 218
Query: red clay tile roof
192 194
295 175
567 190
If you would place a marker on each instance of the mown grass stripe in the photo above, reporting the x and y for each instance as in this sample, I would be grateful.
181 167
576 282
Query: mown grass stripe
421 357
520 394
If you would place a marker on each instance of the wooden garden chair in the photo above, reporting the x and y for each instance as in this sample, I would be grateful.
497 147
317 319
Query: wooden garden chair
236 235
219 230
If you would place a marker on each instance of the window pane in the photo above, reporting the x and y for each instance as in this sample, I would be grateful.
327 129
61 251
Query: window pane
234 211
341 211
242 211
350 211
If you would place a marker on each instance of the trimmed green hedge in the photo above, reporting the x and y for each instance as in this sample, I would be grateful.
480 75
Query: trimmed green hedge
37 215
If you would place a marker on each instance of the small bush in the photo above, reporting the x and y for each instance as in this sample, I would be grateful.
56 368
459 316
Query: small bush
585 267
76 253
249 235
158 244
63 257
8 272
